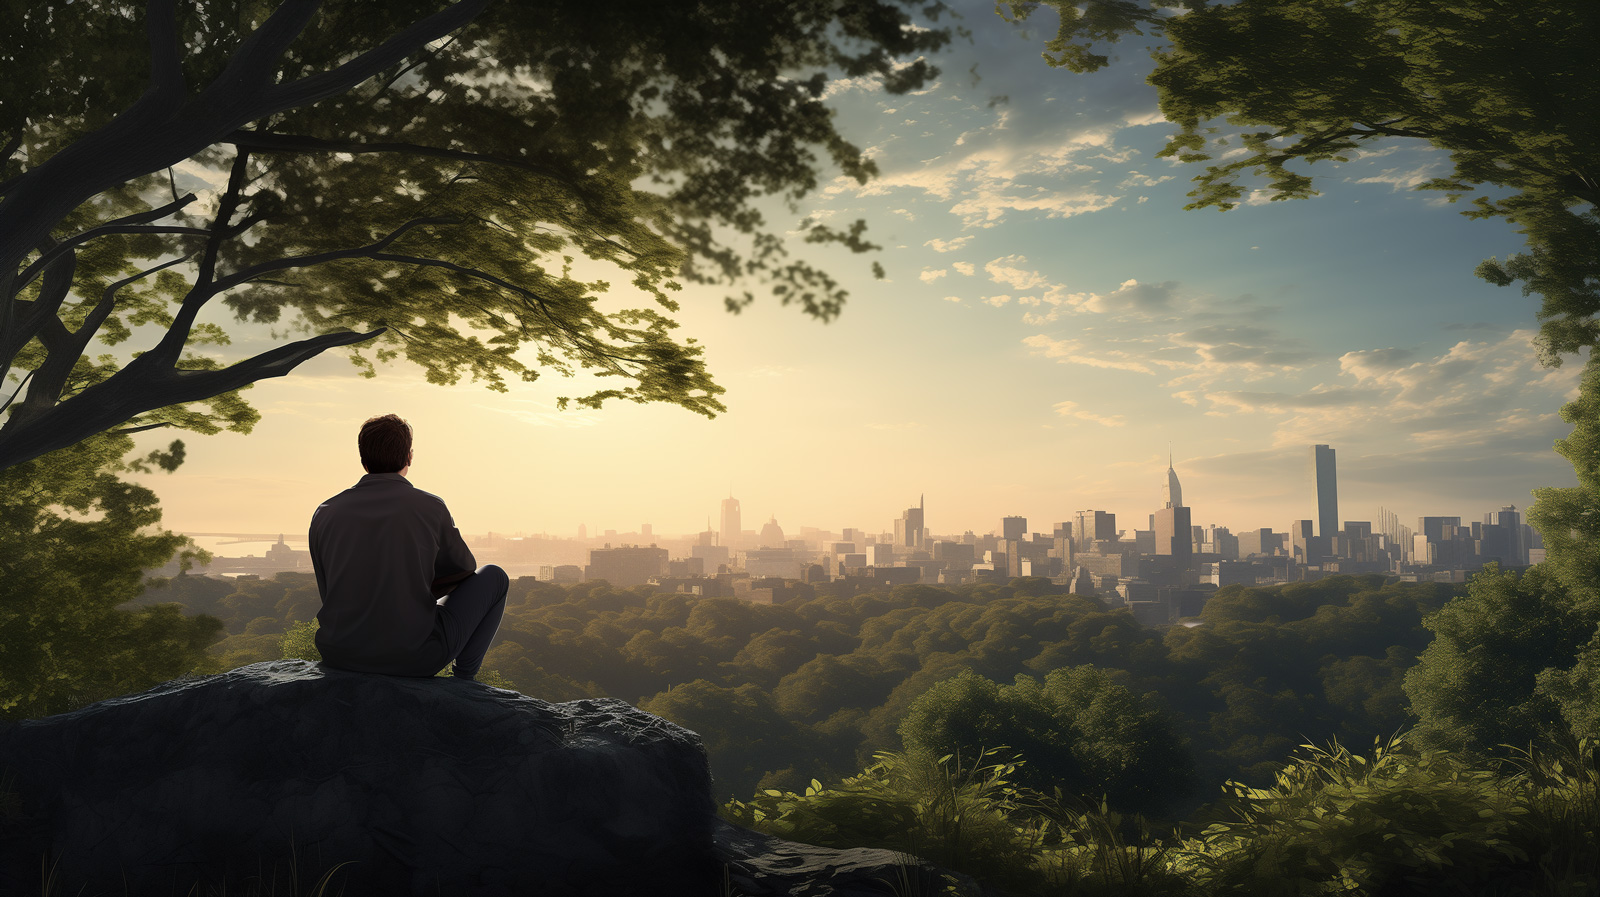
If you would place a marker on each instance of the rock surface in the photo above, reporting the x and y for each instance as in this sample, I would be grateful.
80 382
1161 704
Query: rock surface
418 786
423 786
760 865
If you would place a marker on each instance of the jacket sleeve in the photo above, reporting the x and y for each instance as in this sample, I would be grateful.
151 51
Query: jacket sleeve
454 555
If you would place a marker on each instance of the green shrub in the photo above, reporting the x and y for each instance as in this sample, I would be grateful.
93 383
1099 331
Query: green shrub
967 816
1335 822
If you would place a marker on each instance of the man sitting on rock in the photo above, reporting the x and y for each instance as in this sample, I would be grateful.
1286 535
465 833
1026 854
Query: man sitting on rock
383 550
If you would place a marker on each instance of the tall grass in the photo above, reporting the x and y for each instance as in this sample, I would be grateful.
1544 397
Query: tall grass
1395 820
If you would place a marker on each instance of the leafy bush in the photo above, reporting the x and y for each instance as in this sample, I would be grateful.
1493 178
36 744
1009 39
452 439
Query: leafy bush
967 816
1335 822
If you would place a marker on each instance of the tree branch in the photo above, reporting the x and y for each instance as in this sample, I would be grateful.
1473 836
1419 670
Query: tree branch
306 261
171 345
108 300
402 72
257 141
578 336
15 392
130 224
251 65
143 386
127 430
166 54
225 208
61 353
321 86
10 148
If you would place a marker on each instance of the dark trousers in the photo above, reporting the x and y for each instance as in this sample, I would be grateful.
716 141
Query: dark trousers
470 616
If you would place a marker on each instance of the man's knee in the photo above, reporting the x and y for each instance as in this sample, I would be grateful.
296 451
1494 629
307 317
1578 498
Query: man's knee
500 577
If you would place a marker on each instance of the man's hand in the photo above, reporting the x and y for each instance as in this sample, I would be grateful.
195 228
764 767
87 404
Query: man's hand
442 586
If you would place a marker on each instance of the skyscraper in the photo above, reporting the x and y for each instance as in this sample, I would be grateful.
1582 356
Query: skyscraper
730 522
1511 519
1174 536
908 529
1093 526
914 523
1173 490
1326 490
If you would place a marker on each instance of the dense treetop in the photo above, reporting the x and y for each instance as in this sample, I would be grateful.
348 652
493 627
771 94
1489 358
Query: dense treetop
454 184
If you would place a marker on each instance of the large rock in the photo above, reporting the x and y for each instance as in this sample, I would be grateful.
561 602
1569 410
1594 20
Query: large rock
264 778
422 786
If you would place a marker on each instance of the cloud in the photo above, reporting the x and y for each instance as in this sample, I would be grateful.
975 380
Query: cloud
995 161
948 245
1491 392
1133 297
1072 352
1005 270
1404 178
1070 409
963 268
1135 179
1230 348
997 301
929 275
1247 401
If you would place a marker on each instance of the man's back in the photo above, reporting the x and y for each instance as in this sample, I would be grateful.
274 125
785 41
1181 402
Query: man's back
376 548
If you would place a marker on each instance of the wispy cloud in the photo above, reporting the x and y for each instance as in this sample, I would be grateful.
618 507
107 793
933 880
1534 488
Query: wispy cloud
1474 393
1066 351
951 245
1071 409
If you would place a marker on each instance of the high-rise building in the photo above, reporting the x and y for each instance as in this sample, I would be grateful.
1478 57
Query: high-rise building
1174 534
1173 493
1509 518
1326 490
1013 528
1089 527
1302 545
1261 541
908 530
730 522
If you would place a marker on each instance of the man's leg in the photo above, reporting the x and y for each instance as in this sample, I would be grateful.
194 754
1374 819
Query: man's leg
472 613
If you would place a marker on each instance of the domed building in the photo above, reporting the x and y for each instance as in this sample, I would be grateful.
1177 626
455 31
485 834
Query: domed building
772 534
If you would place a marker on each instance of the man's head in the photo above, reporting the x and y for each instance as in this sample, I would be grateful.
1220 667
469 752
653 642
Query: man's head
385 444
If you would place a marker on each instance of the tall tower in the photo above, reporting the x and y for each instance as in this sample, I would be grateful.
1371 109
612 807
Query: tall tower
911 525
1326 490
730 522
1174 489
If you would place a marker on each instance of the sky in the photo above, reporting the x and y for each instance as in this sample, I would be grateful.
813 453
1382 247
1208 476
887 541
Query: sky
1052 321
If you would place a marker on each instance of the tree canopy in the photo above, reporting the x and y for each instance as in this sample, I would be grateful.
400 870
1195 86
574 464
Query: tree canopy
76 545
428 180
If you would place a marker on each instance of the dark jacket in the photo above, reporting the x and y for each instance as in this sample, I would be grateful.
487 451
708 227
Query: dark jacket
376 548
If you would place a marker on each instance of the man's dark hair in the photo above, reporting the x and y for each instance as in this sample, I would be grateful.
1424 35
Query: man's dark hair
385 443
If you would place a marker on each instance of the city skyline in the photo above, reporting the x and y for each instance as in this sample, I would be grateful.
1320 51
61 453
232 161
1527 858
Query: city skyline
1320 484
